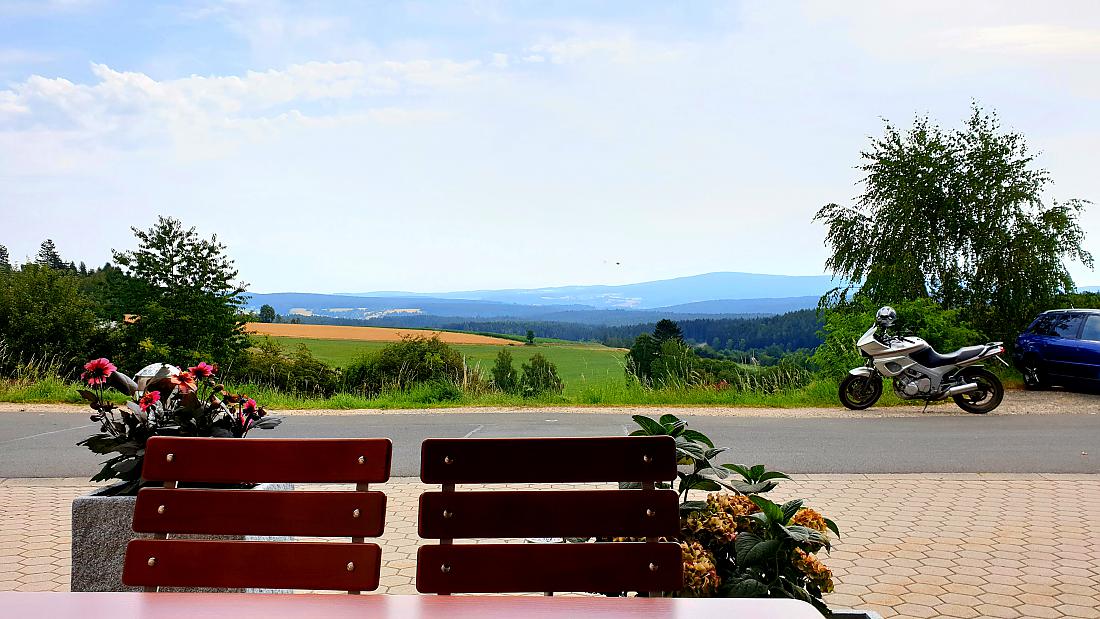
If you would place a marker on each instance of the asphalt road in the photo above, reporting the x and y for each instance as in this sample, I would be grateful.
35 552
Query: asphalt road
43 444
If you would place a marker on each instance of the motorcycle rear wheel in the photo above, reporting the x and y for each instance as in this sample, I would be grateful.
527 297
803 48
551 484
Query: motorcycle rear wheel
860 392
988 396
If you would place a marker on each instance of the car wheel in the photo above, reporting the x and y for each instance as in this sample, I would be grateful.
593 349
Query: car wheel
1035 377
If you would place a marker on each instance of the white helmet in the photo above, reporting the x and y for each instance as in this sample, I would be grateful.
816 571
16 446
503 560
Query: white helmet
886 316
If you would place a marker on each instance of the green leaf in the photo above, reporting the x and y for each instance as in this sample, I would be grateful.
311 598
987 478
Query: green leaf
693 450
769 509
692 506
743 544
651 428
750 489
832 526
88 395
759 552
669 419
790 508
710 453
630 485
745 588
739 469
757 471
773 475
698 437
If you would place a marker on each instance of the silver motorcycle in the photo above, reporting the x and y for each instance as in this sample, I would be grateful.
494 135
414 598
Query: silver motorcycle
919 372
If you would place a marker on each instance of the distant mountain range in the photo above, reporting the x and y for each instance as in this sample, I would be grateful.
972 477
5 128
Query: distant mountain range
707 295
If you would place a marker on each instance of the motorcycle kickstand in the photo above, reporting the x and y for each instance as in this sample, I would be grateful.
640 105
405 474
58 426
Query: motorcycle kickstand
925 409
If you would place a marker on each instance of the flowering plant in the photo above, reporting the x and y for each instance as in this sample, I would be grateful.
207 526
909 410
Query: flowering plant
168 403
739 543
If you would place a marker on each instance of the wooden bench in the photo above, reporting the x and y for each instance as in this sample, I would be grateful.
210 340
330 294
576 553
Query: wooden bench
645 513
164 561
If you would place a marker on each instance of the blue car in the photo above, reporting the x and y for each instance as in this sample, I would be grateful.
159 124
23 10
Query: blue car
1060 347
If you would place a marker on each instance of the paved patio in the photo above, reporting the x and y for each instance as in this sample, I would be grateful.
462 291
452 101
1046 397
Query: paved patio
914 545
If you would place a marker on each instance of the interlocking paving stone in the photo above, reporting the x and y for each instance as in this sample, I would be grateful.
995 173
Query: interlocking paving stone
913 545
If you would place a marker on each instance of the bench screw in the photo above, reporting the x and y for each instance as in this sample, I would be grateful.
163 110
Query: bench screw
446 569
362 460
355 513
160 510
170 457
351 566
152 561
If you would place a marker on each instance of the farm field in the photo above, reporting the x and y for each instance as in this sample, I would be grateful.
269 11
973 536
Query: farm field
368 334
579 365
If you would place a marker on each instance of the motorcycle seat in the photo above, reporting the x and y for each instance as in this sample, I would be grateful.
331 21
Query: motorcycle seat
933 359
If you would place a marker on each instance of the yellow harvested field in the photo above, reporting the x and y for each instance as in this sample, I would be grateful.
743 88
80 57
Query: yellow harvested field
368 334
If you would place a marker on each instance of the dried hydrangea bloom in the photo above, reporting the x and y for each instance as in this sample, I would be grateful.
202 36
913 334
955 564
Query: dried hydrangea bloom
700 574
809 518
814 569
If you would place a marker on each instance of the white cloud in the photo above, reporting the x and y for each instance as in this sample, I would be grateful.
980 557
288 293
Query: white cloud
1031 39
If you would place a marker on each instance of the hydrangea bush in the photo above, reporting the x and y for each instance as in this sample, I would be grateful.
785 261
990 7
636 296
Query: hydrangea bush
737 543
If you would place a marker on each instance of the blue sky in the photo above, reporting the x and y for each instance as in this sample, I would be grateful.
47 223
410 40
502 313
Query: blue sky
457 145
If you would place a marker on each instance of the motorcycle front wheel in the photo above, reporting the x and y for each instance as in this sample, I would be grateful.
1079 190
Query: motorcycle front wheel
987 397
860 392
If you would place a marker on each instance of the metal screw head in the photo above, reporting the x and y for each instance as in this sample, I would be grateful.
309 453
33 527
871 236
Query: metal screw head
351 566
170 457
160 509
448 513
362 459
446 569
355 513
152 561
647 458
650 513
448 460
653 567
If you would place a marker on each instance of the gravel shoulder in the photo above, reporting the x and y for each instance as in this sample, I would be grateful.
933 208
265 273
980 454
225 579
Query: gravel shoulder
1016 402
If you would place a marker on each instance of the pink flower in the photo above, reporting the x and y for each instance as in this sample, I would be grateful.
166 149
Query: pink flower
148 400
184 381
97 371
250 405
203 370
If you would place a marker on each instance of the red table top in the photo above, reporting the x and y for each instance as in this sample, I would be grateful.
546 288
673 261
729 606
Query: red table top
237 606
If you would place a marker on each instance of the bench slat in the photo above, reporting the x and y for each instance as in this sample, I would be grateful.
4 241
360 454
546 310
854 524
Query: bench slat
275 565
570 513
547 460
219 460
515 568
260 512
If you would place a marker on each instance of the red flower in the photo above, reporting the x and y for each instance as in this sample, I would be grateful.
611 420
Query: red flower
97 371
203 370
250 405
185 382
148 400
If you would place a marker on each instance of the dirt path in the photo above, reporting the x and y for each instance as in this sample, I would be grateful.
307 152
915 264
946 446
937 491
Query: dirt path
1015 403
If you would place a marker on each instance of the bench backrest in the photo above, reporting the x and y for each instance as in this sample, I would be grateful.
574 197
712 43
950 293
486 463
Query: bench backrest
641 514
226 563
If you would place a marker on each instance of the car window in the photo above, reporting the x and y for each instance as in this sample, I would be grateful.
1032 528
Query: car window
1044 325
1066 325
1092 329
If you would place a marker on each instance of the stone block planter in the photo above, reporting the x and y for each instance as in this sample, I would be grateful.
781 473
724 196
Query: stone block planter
101 530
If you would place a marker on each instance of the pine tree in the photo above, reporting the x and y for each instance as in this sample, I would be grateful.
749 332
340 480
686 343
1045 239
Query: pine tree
48 256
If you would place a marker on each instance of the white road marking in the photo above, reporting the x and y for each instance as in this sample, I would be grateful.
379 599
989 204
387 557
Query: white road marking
472 432
23 438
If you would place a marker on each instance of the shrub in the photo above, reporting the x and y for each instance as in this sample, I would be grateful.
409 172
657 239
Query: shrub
401 365
540 376
505 377
267 364
434 391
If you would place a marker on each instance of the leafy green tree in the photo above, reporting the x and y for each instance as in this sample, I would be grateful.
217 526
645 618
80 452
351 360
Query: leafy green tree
187 300
959 217
5 260
674 365
267 313
640 357
530 337
45 316
504 373
48 256
540 377
666 329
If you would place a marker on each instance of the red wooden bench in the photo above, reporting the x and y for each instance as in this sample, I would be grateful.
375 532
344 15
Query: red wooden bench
167 562
647 513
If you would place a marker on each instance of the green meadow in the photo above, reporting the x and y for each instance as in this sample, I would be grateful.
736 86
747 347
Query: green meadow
580 365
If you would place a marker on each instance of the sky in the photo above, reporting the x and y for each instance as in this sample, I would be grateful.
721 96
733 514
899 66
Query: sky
434 146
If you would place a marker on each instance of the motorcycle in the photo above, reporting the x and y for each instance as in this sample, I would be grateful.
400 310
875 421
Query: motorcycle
919 372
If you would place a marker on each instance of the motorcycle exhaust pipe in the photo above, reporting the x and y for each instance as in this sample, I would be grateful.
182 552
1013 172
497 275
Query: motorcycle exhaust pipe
968 387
